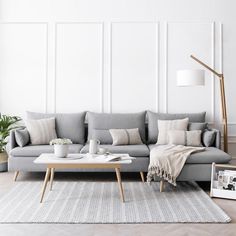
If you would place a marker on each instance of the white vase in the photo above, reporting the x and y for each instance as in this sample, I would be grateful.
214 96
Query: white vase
61 150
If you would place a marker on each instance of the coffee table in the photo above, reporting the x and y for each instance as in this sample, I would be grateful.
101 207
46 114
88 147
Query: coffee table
73 161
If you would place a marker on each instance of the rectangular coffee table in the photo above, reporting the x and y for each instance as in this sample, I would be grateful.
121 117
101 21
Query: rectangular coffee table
74 161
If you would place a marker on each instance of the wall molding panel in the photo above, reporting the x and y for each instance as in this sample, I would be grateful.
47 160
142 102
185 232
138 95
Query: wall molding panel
155 32
100 50
21 39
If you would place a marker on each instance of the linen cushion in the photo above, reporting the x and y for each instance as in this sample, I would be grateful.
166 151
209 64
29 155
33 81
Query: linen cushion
211 154
153 117
105 121
41 131
165 125
22 137
36 150
186 138
208 138
125 136
193 138
133 150
68 125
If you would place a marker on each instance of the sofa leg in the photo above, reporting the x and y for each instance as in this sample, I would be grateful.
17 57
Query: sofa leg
161 185
16 175
142 177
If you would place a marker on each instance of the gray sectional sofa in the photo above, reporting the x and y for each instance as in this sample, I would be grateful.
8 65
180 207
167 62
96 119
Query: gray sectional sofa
74 127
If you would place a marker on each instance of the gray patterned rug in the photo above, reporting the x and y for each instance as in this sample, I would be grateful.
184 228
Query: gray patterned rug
99 202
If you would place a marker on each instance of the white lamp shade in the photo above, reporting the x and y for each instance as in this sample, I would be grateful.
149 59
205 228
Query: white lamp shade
190 77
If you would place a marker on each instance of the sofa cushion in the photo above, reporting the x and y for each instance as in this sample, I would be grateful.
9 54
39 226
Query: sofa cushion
211 154
105 121
133 150
68 125
36 150
153 117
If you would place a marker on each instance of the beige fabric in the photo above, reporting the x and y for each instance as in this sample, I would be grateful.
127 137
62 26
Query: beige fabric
125 136
193 138
165 125
187 138
167 161
176 137
41 131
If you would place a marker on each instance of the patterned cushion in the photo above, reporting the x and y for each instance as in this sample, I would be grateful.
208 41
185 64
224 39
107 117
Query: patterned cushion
125 136
165 125
41 131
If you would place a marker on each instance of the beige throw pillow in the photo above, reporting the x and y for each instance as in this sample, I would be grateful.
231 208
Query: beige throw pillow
125 136
186 138
41 131
166 125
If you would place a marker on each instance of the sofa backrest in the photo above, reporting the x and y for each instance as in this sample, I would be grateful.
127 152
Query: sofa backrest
100 123
68 125
152 118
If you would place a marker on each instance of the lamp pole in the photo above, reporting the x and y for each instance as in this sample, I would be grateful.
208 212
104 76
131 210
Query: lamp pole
223 101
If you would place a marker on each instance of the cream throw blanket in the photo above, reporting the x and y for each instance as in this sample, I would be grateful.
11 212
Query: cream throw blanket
167 161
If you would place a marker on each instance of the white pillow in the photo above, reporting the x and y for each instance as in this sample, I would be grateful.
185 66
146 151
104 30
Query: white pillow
41 131
165 125
125 136
187 138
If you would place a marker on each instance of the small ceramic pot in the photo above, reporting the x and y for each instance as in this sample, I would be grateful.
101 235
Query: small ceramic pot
61 150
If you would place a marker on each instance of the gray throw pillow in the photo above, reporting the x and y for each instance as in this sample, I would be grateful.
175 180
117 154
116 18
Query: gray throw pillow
197 126
22 137
103 135
125 136
208 138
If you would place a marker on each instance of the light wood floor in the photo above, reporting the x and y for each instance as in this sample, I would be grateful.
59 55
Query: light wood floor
6 183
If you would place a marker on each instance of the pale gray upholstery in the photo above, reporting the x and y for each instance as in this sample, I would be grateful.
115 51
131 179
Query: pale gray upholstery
36 150
133 150
153 117
211 154
105 121
68 125
197 167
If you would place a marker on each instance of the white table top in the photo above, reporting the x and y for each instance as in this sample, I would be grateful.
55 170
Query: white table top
77 158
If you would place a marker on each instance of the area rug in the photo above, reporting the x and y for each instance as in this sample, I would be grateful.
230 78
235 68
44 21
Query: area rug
99 202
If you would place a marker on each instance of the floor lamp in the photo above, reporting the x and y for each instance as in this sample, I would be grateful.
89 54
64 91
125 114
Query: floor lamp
196 77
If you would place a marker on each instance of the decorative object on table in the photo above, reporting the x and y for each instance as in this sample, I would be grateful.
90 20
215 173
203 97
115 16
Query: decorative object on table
195 78
98 202
7 123
61 146
93 146
102 151
223 181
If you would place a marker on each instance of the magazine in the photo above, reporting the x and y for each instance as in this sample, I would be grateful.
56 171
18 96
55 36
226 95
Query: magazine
226 180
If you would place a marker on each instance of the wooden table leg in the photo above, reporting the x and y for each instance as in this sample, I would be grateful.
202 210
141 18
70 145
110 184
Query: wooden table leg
51 178
45 183
120 184
161 185
142 176
16 175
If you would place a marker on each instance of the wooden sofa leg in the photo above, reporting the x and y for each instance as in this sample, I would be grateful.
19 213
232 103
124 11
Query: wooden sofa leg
161 185
142 177
16 175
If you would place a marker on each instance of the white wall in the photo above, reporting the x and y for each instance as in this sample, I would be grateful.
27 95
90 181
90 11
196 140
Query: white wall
115 56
